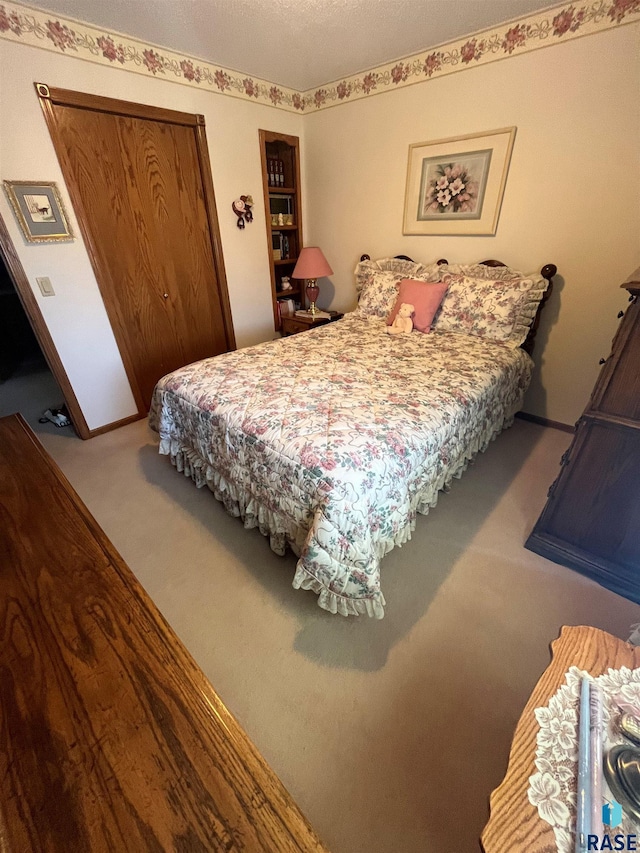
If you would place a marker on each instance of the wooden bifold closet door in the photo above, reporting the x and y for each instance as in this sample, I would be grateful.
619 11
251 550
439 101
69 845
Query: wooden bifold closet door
140 182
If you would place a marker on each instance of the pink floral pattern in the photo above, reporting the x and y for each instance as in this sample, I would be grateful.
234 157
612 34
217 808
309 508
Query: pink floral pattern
567 20
333 440
492 308
90 43
450 188
470 50
400 73
482 271
432 63
377 283
222 80
61 35
250 87
515 37
621 8
538 30
153 61
506 41
10 22
189 71
109 49
369 82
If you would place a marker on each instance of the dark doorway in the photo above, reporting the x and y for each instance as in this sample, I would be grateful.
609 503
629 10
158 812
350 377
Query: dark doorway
26 383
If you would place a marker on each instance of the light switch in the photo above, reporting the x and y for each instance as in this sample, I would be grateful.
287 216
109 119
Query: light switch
46 288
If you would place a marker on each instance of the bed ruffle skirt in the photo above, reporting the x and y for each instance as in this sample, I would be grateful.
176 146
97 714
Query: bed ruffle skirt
284 531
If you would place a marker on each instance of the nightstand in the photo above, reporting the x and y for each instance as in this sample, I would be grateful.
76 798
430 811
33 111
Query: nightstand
293 325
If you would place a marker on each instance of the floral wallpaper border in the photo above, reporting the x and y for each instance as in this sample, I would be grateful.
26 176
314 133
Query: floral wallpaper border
41 29
562 23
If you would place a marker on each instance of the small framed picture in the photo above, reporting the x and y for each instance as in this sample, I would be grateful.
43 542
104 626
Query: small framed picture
455 186
39 210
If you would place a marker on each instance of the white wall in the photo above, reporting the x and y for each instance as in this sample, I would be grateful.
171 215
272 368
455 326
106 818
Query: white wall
76 316
572 196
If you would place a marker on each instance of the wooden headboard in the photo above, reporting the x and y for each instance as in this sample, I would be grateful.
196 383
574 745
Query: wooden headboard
548 271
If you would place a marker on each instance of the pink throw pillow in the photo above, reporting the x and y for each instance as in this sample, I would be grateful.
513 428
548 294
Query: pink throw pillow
425 296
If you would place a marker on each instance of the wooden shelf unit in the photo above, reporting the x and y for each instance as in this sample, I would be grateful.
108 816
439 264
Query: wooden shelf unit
286 149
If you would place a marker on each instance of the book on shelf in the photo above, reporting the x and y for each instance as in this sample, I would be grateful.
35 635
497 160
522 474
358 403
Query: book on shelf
287 307
319 315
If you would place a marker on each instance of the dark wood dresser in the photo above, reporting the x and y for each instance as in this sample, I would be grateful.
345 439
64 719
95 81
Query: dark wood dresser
111 737
591 521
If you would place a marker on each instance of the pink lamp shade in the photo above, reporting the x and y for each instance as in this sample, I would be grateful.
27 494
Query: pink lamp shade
311 264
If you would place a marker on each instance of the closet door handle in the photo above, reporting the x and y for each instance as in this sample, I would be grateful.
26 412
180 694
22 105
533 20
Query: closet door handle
166 295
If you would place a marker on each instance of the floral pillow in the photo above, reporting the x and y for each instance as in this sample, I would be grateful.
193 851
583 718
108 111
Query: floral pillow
377 283
497 309
482 271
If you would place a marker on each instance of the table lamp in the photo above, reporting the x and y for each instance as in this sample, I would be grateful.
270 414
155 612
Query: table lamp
311 265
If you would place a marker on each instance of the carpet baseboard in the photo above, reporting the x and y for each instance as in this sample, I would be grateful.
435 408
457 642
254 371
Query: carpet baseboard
536 419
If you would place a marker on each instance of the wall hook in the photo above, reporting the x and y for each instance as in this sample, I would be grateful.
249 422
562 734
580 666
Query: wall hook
242 209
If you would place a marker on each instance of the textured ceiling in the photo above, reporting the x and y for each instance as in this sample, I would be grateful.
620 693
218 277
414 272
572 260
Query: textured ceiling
301 44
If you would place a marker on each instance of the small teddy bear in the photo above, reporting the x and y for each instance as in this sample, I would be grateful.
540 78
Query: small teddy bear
403 324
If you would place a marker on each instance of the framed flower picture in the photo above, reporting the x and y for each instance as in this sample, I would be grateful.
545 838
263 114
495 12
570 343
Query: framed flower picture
39 211
455 186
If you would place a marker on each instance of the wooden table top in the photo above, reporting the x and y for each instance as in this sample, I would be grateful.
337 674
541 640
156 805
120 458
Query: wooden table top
514 825
111 738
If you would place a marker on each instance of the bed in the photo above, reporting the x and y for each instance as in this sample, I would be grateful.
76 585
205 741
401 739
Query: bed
332 441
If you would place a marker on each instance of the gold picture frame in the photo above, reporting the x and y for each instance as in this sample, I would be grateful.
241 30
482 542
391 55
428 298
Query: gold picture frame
39 210
456 185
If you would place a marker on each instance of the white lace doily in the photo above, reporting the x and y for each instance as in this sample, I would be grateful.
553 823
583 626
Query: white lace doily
552 790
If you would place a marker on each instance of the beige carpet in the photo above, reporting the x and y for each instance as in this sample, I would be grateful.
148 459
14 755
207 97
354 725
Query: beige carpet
390 735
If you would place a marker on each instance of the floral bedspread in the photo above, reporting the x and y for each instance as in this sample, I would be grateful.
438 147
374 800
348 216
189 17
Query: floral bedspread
332 440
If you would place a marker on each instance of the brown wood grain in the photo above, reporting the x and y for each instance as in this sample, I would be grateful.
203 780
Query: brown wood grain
288 148
114 425
514 825
294 325
146 210
111 738
618 392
